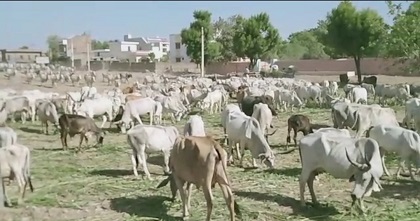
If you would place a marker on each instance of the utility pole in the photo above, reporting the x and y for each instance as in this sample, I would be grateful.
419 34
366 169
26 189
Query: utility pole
88 56
72 52
202 52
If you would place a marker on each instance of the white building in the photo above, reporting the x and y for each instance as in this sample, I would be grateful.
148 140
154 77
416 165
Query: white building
177 51
125 51
158 46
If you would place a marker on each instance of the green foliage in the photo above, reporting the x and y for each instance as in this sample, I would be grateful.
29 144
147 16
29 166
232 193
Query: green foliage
97 45
255 37
404 37
24 47
152 56
53 42
224 32
354 33
191 37
313 49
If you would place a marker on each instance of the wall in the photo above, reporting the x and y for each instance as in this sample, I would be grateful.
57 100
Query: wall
177 53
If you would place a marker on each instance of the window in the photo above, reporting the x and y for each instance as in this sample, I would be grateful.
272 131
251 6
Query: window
177 59
177 45
164 50
21 57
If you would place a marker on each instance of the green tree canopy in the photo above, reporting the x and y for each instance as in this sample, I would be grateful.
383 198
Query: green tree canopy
191 37
224 32
404 37
53 42
97 45
304 45
152 56
255 37
354 33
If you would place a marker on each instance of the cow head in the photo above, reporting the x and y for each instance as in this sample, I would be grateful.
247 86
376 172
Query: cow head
269 101
267 159
365 180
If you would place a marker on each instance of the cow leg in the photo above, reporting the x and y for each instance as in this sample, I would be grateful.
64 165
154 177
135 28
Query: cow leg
21 186
42 127
138 119
6 198
401 165
22 117
294 136
230 152
182 192
144 163
166 155
82 136
310 183
207 192
242 154
135 161
63 138
304 176
227 194
382 152
104 119
410 170
189 191
151 117
46 128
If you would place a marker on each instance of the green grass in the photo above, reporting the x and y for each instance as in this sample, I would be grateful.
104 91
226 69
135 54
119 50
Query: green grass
99 184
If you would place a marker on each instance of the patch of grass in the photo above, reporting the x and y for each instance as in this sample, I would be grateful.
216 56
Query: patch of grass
98 184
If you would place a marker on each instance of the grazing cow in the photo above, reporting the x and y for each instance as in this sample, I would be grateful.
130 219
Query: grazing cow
404 142
73 124
263 115
102 106
15 165
194 127
47 112
249 101
287 98
7 137
333 131
358 94
203 162
21 104
246 131
369 88
214 99
134 109
299 123
355 159
225 114
148 138
370 80
412 108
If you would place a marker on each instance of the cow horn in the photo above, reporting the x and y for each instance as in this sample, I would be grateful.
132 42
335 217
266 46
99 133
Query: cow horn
272 133
363 167
287 151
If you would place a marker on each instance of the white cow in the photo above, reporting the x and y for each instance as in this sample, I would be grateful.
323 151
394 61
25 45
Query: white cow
214 99
47 112
264 117
246 131
404 142
17 104
102 106
146 139
134 109
194 127
412 108
7 136
356 159
358 95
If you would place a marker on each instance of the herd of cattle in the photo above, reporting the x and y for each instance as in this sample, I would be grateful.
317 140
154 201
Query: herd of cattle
195 157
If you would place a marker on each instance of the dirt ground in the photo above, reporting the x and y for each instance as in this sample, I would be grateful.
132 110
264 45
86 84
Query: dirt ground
99 184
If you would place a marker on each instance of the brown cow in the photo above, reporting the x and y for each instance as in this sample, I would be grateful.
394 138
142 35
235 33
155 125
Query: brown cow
73 124
240 94
200 161
128 90
298 123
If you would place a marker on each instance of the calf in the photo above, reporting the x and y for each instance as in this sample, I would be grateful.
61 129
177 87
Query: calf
7 136
299 123
15 165
263 115
47 112
203 162
73 124
150 138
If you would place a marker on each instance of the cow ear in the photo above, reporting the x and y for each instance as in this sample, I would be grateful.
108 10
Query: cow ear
262 156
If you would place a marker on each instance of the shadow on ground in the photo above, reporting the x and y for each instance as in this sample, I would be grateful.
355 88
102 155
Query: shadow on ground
112 172
31 130
399 189
322 212
151 206
290 172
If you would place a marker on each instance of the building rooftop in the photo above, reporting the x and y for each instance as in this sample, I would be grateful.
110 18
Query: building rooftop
22 50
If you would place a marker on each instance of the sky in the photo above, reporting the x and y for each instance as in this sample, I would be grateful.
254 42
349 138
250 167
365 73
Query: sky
30 23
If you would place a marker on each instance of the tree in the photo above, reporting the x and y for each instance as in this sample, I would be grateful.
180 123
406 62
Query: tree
354 33
53 42
97 45
404 36
224 32
255 37
24 47
191 37
152 56
313 49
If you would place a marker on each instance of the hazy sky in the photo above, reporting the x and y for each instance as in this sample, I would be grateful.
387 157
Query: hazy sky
29 23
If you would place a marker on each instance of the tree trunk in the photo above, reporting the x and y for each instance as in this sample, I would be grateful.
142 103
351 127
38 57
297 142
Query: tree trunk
251 64
358 71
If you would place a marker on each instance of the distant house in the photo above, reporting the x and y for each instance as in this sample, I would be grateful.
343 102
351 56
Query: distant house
80 44
157 45
20 55
178 51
